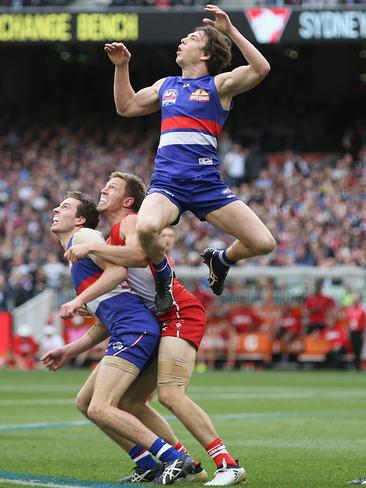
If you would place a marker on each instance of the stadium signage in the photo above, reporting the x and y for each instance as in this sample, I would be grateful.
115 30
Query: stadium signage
264 25
35 27
332 25
64 27
104 27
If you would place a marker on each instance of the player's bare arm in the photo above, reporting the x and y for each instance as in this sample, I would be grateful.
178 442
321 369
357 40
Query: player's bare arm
131 255
56 358
111 277
128 102
243 78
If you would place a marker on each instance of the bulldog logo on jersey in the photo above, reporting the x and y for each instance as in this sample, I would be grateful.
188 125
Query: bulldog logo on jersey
169 97
200 95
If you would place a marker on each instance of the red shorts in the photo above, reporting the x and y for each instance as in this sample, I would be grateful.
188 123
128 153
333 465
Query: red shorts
186 319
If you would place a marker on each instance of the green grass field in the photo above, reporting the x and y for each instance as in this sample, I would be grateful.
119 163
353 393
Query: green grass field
289 429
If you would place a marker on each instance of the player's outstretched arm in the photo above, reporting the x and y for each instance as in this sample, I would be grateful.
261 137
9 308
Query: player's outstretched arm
128 102
243 78
131 255
56 358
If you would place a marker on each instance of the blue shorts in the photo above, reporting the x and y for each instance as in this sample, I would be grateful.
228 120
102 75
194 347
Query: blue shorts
138 348
200 195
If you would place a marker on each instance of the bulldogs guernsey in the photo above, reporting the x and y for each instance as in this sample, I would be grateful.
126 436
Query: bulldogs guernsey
192 120
120 309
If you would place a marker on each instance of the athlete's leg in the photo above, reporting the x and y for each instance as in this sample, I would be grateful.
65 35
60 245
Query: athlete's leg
112 380
135 401
156 213
252 239
252 236
82 402
175 365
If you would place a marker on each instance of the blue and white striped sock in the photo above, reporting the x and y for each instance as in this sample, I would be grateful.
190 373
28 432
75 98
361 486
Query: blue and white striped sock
164 451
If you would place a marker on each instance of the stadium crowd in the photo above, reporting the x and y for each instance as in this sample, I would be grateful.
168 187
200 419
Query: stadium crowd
314 205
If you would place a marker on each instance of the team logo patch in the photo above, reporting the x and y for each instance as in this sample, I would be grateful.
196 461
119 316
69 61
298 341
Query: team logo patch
268 24
169 97
117 346
200 95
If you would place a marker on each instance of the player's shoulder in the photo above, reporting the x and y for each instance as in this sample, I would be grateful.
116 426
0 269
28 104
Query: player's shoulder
87 235
158 84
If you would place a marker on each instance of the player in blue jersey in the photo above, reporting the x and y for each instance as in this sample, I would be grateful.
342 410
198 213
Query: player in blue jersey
194 107
134 337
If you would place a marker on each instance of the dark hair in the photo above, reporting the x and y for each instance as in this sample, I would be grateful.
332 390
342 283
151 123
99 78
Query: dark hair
86 208
218 46
135 188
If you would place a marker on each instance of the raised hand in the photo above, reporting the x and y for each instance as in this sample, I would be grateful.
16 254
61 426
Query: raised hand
118 53
221 21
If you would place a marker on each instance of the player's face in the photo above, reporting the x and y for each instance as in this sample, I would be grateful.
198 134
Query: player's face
169 238
64 216
112 195
190 49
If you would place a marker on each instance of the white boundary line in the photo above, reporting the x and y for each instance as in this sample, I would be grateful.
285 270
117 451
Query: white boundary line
12 481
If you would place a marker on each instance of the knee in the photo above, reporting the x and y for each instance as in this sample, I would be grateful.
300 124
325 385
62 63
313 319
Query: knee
169 397
145 228
82 404
95 413
265 245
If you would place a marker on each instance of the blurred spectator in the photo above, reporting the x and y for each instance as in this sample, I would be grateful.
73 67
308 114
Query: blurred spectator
23 355
218 343
289 331
348 296
4 294
234 166
317 307
335 333
244 319
50 339
54 270
356 321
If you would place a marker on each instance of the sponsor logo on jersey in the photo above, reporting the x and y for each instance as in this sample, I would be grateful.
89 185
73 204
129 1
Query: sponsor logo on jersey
169 97
268 24
200 95
205 161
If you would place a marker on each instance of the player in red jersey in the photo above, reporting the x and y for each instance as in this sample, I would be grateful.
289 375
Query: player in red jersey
182 326
194 108
316 309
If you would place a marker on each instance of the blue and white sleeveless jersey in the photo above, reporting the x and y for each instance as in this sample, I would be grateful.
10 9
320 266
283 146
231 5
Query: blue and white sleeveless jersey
192 120
120 309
